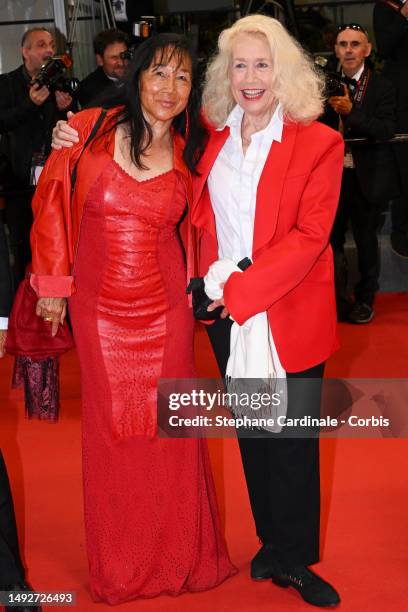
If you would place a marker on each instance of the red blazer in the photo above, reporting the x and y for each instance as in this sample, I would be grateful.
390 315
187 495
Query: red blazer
292 275
57 221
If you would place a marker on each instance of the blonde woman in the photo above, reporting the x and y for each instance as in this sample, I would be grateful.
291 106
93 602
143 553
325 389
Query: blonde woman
268 190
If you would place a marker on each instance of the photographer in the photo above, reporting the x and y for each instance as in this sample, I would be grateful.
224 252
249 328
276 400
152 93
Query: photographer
391 33
108 46
28 113
370 179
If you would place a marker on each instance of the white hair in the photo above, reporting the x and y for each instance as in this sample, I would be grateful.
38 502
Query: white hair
297 84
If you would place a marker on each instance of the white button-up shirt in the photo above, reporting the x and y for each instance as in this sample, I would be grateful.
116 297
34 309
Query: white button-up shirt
233 183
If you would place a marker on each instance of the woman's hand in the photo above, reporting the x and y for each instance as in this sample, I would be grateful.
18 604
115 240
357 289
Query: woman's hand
63 135
52 310
224 313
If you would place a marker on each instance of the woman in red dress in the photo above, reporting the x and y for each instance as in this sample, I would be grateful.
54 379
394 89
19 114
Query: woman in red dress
151 518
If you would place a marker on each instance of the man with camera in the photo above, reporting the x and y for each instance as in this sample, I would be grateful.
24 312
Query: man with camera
391 33
366 109
110 47
28 112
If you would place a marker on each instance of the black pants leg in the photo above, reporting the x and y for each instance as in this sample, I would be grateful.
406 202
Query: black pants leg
282 474
19 218
337 240
364 217
5 274
399 208
11 566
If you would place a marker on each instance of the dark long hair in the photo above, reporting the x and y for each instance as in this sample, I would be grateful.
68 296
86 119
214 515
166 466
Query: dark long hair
165 46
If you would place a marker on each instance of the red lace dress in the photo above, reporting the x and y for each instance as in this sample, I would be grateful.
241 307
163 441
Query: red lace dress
151 516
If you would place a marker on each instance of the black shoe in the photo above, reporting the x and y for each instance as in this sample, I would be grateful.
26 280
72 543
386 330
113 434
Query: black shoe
313 589
263 563
22 586
361 313
399 244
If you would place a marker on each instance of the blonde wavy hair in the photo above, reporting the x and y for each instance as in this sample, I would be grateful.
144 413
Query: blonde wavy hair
296 83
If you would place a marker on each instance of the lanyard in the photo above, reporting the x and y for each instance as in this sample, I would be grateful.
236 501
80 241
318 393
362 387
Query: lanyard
362 86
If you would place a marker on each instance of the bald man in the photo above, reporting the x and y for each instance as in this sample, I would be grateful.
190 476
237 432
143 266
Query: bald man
367 109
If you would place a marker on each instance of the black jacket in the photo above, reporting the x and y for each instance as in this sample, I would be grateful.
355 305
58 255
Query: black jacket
95 86
25 128
374 119
391 33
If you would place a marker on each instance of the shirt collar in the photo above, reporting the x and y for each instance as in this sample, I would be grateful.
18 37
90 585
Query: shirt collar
358 74
273 130
111 78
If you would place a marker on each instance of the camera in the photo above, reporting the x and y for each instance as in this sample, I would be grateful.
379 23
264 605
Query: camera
128 54
52 75
334 82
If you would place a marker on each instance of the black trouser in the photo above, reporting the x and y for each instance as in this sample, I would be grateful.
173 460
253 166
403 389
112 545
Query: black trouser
282 474
364 217
19 219
399 208
11 567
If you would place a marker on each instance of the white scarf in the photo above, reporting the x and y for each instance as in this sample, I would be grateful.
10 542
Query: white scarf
251 356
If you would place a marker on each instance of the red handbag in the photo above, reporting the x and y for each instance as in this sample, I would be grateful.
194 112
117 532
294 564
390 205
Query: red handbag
29 335
36 365
29 338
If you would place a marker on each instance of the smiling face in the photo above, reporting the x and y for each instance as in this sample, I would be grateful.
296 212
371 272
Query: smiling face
352 48
251 74
165 87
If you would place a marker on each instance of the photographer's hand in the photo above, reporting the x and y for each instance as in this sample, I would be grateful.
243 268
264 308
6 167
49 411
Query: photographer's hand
342 104
38 94
63 100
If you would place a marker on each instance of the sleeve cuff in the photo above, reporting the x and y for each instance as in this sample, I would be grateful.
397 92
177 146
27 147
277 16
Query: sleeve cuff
52 286
237 312
3 323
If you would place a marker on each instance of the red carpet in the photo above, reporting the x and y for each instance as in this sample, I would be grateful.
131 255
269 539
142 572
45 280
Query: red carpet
364 492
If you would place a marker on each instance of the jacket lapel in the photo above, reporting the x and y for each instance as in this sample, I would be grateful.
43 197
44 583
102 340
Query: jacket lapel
202 214
271 186
214 146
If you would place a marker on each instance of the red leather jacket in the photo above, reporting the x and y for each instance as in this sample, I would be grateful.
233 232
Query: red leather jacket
57 220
